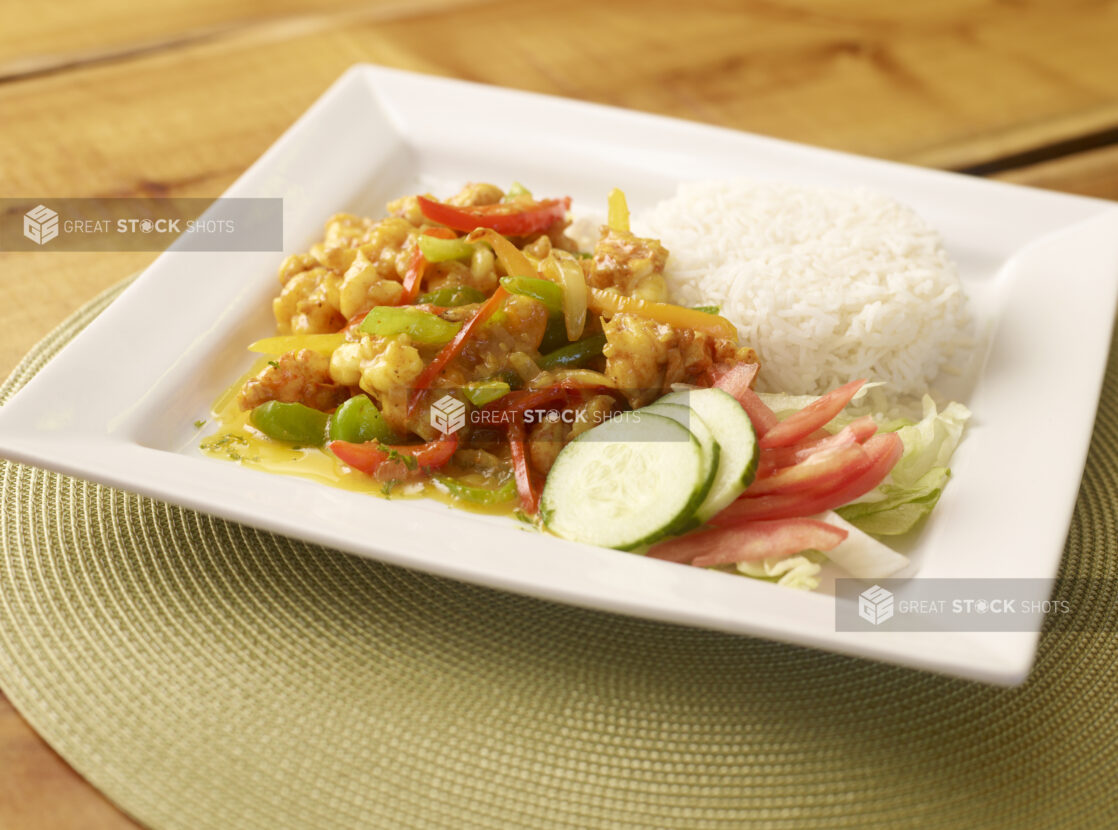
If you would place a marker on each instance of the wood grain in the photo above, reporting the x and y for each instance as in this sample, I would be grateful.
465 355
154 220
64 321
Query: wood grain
111 98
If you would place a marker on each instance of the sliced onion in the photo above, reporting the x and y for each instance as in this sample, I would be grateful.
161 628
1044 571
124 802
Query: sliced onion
563 268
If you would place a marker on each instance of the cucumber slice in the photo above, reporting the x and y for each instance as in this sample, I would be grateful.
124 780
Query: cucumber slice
625 483
689 418
732 429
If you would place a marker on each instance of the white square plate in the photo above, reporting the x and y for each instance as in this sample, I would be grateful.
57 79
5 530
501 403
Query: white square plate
117 405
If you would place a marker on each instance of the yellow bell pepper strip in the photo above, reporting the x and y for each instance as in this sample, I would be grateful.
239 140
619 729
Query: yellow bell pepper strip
509 257
454 347
477 495
564 269
519 218
618 217
421 326
609 303
321 343
547 292
574 354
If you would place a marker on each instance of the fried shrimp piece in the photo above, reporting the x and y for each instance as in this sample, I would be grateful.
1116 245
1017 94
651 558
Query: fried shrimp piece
645 357
296 377
385 367
308 303
359 264
631 264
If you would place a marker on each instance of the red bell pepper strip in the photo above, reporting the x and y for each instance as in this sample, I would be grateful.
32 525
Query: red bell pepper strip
414 277
454 347
749 542
815 415
373 457
525 483
510 219
883 450
418 264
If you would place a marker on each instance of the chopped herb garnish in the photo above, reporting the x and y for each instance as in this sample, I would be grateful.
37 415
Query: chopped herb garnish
199 423
274 364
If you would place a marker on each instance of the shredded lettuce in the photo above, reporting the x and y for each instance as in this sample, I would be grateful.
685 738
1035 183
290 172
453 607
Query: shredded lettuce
800 571
914 486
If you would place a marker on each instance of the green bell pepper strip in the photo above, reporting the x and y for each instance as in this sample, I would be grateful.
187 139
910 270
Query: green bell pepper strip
555 335
435 249
477 495
547 292
421 326
451 295
481 392
293 422
358 420
574 354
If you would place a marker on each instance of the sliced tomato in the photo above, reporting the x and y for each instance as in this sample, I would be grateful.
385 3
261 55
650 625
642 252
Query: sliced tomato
883 450
749 542
763 418
822 470
526 484
451 350
733 377
856 432
508 218
815 415
375 459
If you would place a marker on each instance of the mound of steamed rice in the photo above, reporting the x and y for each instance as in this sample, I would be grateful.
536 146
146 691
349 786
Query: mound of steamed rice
827 285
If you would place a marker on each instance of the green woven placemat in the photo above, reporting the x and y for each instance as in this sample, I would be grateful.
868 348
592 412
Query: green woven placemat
206 675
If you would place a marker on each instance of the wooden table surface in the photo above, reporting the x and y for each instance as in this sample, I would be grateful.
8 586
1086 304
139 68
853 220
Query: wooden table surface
110 97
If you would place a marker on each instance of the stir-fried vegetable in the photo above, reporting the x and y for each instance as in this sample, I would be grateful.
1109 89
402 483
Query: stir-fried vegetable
450 296
519 218
574 354
618 216
421 326
435 249
452 349
548 293
321 343
481 392
395 462
477 495
607 303
293 422
565 270
357 421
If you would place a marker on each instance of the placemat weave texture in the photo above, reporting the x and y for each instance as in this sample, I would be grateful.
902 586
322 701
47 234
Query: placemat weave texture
207 675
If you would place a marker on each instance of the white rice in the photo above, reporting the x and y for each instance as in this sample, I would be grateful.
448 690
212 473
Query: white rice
827 285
